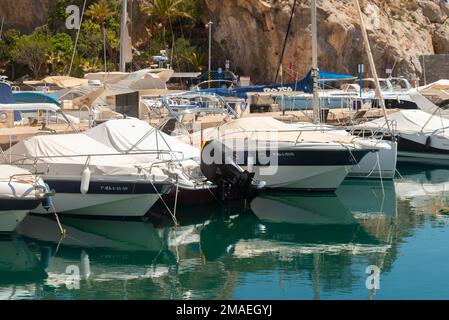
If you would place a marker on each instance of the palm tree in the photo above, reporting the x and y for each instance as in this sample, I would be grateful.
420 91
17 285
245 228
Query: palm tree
196 60
165 11
100 12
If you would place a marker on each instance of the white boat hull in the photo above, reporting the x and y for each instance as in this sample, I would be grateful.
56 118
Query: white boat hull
307 178
131 205
377 165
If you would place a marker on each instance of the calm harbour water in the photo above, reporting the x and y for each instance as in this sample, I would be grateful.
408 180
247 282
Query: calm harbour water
284 246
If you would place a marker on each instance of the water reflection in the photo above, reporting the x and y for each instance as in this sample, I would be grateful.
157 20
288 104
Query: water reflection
18 266
281 245
426 191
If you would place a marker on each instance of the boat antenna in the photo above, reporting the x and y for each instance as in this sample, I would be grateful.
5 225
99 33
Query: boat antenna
281 59
372 64
315 71
123 36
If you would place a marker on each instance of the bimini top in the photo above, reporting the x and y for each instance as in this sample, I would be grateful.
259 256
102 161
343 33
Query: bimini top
126 134
409 121
34 97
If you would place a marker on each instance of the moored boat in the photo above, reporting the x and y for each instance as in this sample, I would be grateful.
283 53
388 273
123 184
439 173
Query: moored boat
20 192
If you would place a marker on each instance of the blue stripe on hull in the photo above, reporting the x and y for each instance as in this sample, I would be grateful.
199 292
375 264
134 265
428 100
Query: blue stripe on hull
19 204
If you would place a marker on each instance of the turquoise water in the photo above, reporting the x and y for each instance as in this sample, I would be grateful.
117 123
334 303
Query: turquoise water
281 246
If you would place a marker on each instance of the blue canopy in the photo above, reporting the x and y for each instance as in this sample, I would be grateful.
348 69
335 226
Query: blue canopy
7 97
35 97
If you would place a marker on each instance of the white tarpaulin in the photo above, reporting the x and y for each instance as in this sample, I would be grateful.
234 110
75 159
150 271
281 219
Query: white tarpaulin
122 135
409 121
267 129
67 155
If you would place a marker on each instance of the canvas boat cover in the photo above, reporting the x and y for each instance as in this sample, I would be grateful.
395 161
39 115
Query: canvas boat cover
268 129
122 135
409 122
67 155
60 81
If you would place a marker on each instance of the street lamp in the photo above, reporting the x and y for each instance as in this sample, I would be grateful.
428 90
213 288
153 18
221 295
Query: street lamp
209 26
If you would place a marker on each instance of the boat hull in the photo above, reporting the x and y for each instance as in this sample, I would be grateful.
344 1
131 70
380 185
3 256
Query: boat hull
417 149
377 165
305 178
308 169
104 198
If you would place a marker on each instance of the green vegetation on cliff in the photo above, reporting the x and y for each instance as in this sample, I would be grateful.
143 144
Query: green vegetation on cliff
168 25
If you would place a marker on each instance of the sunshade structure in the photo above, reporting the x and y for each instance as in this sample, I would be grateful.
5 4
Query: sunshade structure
63 82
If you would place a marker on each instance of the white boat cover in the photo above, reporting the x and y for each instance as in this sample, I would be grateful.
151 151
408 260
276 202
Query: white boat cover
409 122
67 154
124 134
268 129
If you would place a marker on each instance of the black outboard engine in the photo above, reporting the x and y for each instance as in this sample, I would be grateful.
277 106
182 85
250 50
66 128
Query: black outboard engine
218 164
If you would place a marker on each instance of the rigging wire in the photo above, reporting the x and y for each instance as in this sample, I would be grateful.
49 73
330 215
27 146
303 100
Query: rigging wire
77 37
285 41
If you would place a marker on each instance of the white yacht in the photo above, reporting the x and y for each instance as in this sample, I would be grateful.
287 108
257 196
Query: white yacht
375 165
288 158
20 193
422 137
90 178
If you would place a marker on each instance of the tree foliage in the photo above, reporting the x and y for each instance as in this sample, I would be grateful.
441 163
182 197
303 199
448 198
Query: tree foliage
49 49
31 50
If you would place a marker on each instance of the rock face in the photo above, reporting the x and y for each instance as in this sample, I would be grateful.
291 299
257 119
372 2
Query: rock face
25 15
251 34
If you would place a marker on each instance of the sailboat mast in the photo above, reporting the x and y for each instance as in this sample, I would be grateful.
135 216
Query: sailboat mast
372 64
123 36
315 100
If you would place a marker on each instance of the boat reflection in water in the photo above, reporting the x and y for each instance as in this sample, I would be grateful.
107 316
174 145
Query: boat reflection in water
424 191
282 245
105 250
19 266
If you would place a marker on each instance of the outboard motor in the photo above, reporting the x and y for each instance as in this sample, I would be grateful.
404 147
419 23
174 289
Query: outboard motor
218 164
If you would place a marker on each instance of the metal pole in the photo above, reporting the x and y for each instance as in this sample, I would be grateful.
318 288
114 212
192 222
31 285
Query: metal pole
424 69
123 36
209 25
1 28
372 64
361 79
315 101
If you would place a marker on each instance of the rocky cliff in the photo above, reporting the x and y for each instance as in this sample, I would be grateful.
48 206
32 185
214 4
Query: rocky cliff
25 15
251 34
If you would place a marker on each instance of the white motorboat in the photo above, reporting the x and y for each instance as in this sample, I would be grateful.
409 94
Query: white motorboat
289 158
89 178
422 137
146 144
20 192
